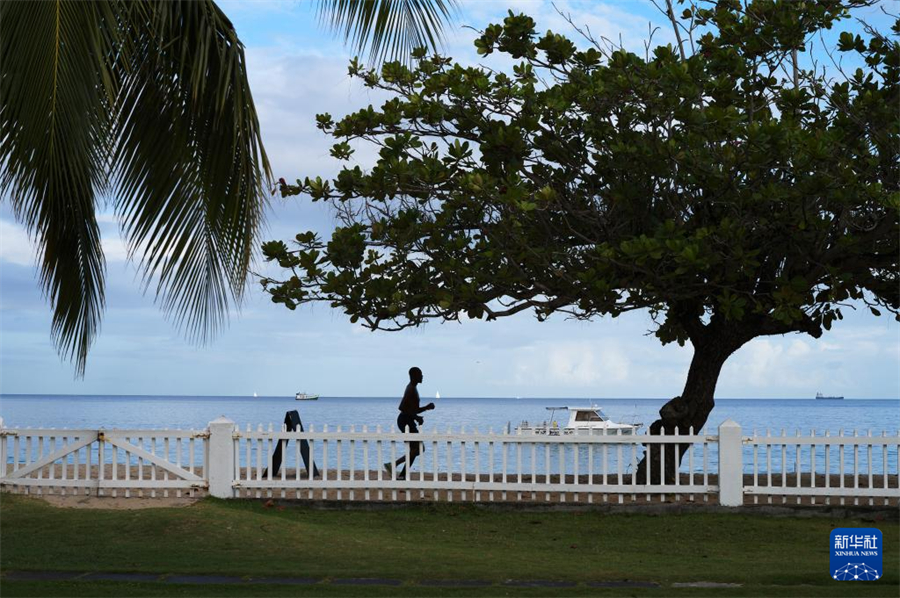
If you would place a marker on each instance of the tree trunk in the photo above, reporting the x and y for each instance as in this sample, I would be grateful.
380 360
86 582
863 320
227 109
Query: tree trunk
690 410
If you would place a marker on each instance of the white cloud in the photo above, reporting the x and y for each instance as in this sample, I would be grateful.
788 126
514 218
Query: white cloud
779 367
107 218
114 249
571 364
798 349
289 89
758 359
15 246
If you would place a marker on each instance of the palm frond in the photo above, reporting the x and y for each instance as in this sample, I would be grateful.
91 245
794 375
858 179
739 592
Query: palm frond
147 102
191 189
56 89
390 29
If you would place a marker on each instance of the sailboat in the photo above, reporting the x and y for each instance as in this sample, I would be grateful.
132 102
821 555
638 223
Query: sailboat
437 395
255 395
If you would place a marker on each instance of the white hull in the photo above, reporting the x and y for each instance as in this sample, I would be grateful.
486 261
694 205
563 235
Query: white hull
305 397
556 431
583 421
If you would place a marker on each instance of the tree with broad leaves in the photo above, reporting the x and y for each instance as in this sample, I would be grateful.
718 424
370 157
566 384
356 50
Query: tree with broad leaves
729 185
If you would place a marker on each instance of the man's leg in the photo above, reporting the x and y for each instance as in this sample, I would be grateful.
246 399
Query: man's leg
405 426
412 453
413 449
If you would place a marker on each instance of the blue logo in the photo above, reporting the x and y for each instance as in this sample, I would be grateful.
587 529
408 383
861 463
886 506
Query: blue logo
856 554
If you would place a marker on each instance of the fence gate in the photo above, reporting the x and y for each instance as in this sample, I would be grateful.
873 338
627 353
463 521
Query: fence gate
104 460
166 461
46 458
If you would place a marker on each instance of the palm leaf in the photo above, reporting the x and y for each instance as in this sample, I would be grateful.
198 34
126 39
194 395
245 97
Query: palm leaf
390 29
192 193
56 91
152 96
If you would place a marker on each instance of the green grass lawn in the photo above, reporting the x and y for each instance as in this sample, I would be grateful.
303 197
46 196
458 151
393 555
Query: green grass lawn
770 556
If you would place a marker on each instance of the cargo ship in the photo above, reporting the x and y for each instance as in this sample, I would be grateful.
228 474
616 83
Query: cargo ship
821 397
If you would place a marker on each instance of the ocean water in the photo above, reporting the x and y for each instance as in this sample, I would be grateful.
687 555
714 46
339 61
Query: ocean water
111 411
802 417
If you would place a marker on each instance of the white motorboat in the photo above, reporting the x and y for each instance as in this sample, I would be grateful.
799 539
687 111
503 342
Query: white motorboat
302 396
582 420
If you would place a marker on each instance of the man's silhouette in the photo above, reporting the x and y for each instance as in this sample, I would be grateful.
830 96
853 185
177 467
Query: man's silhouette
407 420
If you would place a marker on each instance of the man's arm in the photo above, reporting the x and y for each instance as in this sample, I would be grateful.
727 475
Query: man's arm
427 407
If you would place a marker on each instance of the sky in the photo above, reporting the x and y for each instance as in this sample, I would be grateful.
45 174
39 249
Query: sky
297 70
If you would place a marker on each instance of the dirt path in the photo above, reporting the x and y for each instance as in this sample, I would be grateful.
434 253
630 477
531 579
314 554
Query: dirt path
73 501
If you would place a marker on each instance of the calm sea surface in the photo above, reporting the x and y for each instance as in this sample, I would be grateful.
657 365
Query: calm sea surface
167 412
108 411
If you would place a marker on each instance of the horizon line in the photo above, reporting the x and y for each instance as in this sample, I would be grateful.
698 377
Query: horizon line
3 394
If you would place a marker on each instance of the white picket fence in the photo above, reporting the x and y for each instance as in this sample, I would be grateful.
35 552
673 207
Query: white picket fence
459 466
725 468
108 462
820 467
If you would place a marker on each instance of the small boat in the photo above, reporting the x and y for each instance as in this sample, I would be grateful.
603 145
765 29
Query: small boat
582 420
437 395
821 397
302 396
255 396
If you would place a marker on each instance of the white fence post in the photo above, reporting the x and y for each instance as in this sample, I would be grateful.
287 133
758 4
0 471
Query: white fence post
221 458
731 465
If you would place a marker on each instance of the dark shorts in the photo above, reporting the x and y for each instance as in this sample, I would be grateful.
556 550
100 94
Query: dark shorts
405 421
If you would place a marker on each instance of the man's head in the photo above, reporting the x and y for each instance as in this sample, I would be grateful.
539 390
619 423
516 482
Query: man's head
415 375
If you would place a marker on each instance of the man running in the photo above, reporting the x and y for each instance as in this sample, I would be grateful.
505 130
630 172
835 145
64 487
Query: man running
407 420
